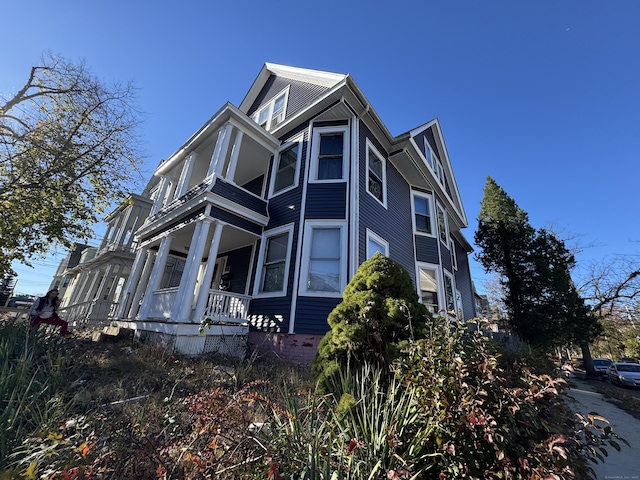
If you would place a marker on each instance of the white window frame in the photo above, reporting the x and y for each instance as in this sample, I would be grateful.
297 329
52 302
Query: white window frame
269 108
309 226
434 162
439 283
372 149
315 151
372 236
276 161
432 213
440 208
452 249
445 306
260 265
428 153
459 305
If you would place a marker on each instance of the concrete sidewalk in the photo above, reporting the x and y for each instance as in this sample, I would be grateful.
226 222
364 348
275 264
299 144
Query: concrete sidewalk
622 465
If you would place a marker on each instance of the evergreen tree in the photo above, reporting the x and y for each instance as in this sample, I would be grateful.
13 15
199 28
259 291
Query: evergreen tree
544 306
379 313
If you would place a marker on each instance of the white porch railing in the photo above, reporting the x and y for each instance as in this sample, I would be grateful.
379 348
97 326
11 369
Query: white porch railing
226 306
162 302
81 315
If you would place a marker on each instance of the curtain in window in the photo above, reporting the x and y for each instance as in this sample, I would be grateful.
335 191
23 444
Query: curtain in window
324 264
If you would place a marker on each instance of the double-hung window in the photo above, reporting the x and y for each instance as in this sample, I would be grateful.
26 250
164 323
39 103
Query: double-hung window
434 162
272 114
375 243
449 295
376 174
329 154
172 274
324 254
285 168
429 287
422 213
452 249
274 262
442 226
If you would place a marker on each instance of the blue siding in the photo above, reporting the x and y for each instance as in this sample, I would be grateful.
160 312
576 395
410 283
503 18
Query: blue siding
301 94
326 200
270 314
445 255
463 283
393 224
238 263
312 313
233 219
427 249
239 196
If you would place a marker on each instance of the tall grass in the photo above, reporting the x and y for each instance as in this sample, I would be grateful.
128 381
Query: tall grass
33 375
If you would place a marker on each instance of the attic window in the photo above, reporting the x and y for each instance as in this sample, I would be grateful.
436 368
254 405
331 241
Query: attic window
434 162
272 114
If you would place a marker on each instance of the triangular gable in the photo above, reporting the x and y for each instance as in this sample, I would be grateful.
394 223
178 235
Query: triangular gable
315 77
430 134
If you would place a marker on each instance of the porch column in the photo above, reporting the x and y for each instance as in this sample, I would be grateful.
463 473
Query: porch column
156 276
132 281
131 225
203 294
185 175
123 227
162 191
184 299
220 151
132 312
104 282
231 171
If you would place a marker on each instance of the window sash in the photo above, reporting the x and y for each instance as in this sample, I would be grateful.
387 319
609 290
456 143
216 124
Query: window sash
273 269
324 260
287 166
173 269
421 206
442 226
429 288
330 156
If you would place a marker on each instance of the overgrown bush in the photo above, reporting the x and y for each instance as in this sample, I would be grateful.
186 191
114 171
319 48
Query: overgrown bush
492 421
378 315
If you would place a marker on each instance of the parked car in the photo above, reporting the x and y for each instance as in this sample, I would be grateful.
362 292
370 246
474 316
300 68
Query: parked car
624 374
601 365
628 360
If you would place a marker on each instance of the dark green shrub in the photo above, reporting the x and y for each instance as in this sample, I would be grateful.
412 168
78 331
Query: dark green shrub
379 313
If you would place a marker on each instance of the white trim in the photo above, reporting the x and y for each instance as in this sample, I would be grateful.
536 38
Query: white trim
440 208
432 213
268 107
353 213
303 206
260 265
371 235
274 168
445 275
315 150
370 147
309 227
452 250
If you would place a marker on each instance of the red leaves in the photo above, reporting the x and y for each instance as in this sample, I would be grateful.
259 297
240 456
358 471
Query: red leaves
273 470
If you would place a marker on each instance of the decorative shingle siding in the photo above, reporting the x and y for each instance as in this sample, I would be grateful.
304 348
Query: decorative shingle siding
238 265
326 201
301 94
393 224
239 196
312 313
427 249
463 283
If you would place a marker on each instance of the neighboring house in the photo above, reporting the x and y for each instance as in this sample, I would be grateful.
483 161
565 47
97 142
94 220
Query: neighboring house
61 279
261 218
92 286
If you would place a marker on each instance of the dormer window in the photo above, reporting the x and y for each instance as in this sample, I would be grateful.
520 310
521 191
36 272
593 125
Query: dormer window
272 114
434 162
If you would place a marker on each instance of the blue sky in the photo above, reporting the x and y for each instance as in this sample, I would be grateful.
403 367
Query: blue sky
543 96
